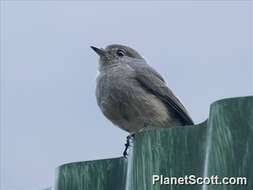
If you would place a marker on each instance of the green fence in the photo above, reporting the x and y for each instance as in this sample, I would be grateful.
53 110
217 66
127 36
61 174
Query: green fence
221 146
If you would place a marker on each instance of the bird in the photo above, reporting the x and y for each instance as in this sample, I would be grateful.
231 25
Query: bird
132 94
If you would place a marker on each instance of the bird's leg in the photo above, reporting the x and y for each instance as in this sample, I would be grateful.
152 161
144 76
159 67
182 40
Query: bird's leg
129 137
126 146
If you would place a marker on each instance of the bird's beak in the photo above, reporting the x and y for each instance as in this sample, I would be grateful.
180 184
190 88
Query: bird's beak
100 52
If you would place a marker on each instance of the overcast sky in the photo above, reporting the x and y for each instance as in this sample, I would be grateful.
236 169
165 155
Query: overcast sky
49 114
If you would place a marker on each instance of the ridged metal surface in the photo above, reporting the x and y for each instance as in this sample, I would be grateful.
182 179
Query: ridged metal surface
105 174
223 146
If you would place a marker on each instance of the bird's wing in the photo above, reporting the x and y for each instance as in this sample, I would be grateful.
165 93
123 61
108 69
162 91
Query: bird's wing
155 84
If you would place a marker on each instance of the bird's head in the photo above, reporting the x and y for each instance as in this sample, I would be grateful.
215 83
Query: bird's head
116 54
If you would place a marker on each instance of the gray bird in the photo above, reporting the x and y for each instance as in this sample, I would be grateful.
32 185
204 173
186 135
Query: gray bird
132 95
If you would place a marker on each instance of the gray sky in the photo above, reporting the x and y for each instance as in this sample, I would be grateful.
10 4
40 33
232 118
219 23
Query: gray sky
49 114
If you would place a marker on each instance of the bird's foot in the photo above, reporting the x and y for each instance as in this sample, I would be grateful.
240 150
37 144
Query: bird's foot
128 143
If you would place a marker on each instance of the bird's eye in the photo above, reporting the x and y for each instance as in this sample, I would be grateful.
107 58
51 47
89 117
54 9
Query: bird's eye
120 53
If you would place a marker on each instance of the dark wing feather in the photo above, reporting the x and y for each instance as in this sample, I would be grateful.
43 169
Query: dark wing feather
154 83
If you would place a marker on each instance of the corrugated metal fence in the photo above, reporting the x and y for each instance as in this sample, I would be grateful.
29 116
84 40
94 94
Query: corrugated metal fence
221 146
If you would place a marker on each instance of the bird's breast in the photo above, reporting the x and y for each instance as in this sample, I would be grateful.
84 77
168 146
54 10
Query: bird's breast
124 102
114 88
